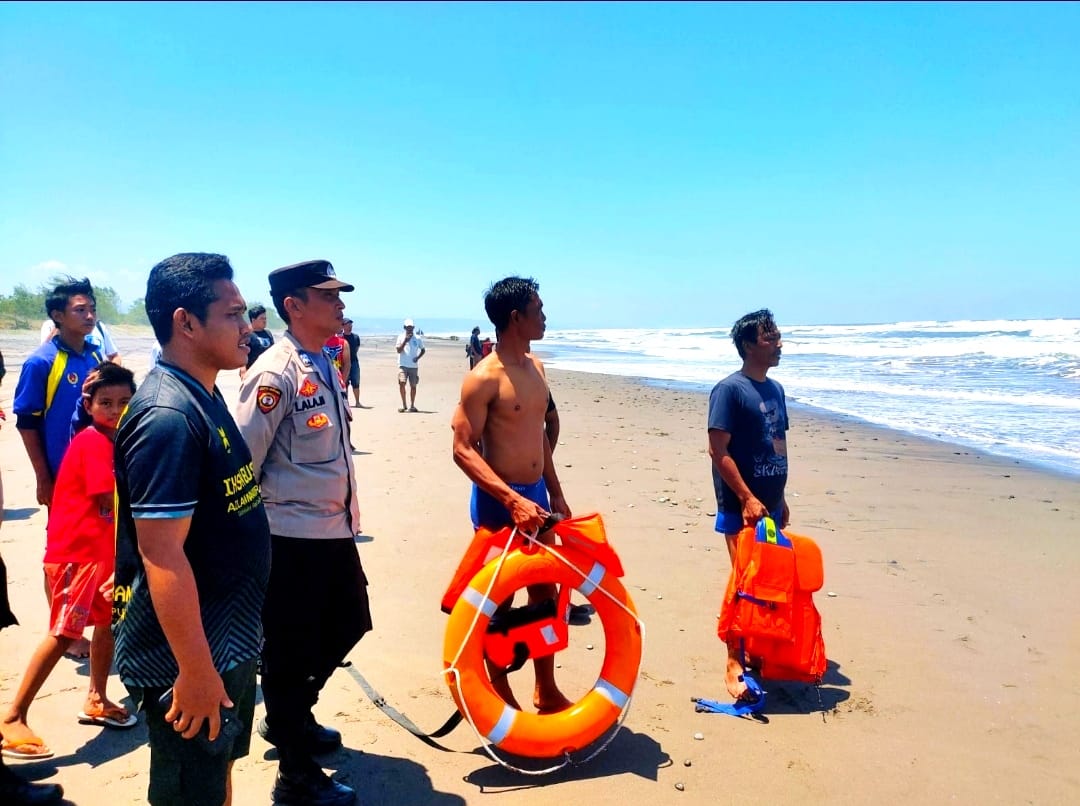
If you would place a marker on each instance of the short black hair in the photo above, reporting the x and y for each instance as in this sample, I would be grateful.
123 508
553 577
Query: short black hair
255 311
104 374
749 326
506 296
183 281
107 373
279 300
66 288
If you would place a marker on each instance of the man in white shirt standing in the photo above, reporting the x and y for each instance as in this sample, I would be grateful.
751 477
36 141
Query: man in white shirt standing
410 349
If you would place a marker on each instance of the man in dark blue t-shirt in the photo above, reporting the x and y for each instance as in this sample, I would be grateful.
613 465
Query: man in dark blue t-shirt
748 425
193 541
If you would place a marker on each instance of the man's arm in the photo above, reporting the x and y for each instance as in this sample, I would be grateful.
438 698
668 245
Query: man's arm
346 358
198 691
108 346
468 423
29 407
752 509
35 449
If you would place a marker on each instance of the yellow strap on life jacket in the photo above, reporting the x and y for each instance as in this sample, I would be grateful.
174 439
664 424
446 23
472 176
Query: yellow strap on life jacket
56 374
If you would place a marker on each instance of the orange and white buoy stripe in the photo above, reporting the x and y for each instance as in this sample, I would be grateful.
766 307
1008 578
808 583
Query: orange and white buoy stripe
542 735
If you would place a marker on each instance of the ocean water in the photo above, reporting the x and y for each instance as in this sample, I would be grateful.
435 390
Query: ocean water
1008 387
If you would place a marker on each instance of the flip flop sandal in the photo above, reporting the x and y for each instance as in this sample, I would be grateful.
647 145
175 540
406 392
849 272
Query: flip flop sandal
32 748
109 719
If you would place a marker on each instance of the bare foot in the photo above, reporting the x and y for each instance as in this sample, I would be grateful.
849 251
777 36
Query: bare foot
733 678
96 705
550 702
79 649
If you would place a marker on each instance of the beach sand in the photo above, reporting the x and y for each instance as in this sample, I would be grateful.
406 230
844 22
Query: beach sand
951 615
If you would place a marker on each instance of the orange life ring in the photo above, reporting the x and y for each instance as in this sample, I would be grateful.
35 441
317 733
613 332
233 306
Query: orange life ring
547 735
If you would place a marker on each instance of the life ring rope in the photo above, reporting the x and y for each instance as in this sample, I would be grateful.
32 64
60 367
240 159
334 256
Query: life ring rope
590 584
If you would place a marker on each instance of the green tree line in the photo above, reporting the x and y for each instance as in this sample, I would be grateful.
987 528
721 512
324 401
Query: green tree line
24 309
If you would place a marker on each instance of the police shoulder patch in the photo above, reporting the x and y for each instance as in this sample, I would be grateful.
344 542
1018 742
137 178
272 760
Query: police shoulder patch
267 398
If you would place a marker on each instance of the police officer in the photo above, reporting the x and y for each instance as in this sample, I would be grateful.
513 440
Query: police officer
294 417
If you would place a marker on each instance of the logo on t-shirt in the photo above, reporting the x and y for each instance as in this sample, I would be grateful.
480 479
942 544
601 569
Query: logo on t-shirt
72 378
318 421
308 388
224 439
267 399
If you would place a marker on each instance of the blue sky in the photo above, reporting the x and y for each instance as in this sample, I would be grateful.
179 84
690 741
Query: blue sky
649 164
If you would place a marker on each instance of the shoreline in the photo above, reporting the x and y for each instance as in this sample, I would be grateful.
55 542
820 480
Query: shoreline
817 412
127 333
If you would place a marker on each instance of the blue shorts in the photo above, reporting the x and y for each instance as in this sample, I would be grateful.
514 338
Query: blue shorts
731 523
487 511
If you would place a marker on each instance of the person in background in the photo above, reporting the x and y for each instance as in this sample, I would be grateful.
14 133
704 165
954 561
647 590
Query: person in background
410 348
338 350
79 561
474 350
192 539
99 337
748 424
353 342
261 338
502 408
50 384
294 418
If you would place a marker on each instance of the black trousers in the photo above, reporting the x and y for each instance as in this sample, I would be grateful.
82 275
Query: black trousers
316 610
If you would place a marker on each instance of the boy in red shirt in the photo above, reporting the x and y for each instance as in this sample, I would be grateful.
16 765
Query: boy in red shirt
79 558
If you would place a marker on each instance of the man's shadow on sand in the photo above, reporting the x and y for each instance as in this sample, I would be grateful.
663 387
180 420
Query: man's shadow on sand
629 752
381 779
102 745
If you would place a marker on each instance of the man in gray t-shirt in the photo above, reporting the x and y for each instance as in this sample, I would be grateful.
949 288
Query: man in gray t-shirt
748 425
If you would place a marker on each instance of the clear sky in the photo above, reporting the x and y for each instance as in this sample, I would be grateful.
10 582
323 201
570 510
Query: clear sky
650 164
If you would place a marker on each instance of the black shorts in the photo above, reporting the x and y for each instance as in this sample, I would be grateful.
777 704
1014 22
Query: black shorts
181 773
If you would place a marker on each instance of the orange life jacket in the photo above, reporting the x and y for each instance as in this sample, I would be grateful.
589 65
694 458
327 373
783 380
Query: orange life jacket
769 605
585 532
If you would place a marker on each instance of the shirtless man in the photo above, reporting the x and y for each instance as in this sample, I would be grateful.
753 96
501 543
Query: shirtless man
500 445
